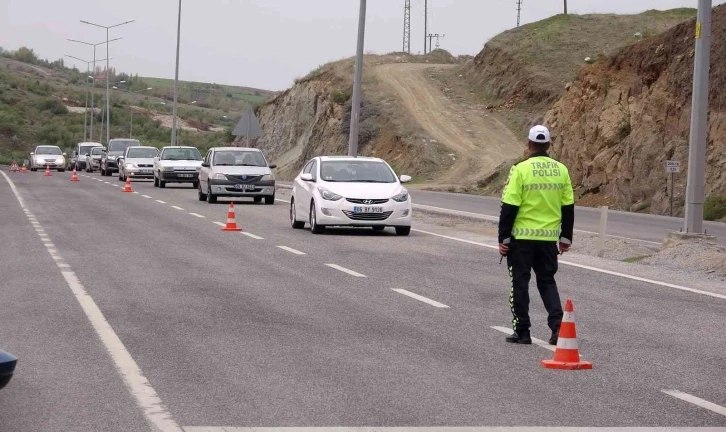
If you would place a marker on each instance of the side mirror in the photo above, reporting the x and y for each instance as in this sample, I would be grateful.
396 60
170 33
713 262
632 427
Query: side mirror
156 159
32 154
65 154
273 166
205 164
88 154
7 367
405 179
306 177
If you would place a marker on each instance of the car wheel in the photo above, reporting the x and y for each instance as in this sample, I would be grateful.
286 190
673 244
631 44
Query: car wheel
258 199
211 199
270 200
314 227
195 185
201 195
34 169
156 182
61 170
378 228
120 178
296 224
403 231
162 183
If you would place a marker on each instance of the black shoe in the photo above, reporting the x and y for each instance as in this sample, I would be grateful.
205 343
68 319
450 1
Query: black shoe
554 337
516 338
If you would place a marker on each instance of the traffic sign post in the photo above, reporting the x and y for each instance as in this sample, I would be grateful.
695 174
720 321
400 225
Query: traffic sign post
672 167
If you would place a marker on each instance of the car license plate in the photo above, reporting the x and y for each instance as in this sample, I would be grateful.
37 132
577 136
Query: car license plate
244 186
186 175
367 209
145 171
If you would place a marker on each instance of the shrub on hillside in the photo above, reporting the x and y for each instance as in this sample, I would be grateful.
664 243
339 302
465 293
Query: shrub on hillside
54 106
341 96
9 124
55 135
714 208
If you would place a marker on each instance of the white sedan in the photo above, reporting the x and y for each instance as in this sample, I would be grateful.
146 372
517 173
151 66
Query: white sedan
348 191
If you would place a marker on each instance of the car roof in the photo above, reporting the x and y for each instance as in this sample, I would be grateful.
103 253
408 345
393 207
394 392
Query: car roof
90 144
236 148
134 147
350 158
47 145
179 147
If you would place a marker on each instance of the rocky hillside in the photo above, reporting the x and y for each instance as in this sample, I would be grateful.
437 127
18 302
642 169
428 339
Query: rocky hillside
623 117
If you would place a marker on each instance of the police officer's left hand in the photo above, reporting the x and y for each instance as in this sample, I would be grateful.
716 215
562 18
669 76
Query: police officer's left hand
564 247
503 249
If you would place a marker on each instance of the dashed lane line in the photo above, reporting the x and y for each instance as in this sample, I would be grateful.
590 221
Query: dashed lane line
220 224
177 207
146 196
160 201
197 215
291 250
136 383
538 342
250 235
421 298
718 409
345 270
585 267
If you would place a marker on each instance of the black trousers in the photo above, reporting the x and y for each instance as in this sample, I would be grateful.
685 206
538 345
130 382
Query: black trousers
540 256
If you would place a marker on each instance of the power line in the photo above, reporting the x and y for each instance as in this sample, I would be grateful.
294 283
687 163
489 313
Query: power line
407 26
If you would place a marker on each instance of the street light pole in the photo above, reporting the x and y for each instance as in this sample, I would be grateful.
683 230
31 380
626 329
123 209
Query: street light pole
131 126
176 79
85 116
357 83
108 78
699 121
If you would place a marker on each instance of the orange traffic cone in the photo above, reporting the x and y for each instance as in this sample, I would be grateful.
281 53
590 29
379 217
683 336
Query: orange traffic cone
24 170
231 223
567 355
47 170
13 166
128 189
74 177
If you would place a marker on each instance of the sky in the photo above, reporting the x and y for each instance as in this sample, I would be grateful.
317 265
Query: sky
266 43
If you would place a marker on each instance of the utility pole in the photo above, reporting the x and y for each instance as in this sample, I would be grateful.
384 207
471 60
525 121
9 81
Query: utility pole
357 83
407 26
565 7
426 22
519 10
699 121
431 37
176 80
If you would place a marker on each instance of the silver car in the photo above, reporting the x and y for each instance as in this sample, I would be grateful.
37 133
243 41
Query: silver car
48 156
137 162
93 160
236 172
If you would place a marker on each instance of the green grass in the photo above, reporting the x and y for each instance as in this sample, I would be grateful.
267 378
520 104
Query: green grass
714 208
208 94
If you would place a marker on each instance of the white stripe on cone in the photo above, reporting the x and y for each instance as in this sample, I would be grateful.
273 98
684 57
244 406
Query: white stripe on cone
568 317
567 343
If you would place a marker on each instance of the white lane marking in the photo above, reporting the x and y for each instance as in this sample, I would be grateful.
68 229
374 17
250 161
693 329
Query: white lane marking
345 270
220 224
535 341
291 250
280 199
107 182
177 207
420 298
136 193
160 201
146 196
595 269
256 237
197 215
718 409
137 384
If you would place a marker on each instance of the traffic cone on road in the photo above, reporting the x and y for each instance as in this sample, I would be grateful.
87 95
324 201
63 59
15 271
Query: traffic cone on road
47 171
74 177
13 166
127 188
231 223
567 355
24 170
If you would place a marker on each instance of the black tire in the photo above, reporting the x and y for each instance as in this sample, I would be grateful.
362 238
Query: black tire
314 227
34 169
195 185
403 231
103 172
162 183
270 200
211 199
258 199
296 224
156 182
201 195
120 178
378 228
61 170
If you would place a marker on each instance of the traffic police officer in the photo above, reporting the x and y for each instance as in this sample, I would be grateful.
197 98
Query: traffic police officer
538 212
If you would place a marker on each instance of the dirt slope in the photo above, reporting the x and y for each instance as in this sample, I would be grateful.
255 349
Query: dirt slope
479 141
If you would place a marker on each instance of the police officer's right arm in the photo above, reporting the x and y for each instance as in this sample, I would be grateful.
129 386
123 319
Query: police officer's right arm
511 200
568 210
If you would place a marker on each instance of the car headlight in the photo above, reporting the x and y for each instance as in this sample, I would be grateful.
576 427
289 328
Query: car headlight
220 176
267 177
60 160
327 195
198 168
167 168
129 165
401 197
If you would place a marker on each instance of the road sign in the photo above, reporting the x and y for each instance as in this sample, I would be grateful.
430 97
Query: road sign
672 166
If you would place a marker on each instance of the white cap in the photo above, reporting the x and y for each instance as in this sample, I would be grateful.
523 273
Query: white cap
539 134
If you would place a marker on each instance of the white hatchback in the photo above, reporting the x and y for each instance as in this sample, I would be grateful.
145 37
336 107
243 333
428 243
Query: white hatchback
348 191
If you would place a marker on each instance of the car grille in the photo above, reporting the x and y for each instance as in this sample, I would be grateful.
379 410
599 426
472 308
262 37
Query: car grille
145 166
367 201
246 179
367 216
50 160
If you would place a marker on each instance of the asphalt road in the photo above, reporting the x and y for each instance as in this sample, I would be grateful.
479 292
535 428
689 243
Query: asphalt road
622 224
233 330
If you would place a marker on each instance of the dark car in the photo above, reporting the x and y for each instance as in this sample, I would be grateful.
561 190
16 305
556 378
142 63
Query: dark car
7 367
116 149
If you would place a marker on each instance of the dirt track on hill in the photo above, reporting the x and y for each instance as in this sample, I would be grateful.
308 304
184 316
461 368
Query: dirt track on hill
478 140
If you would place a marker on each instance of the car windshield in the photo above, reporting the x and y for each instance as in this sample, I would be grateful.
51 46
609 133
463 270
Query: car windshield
86 149
143 152
356 172
181 154
120 146
239 158
96 151
48 151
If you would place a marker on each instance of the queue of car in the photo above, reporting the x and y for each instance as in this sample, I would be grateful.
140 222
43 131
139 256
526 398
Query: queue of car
329 191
